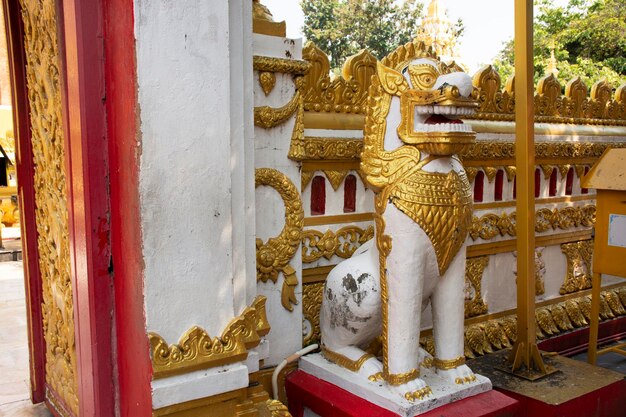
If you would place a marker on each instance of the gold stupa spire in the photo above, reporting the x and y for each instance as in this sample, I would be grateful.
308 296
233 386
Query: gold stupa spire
551 67
437 31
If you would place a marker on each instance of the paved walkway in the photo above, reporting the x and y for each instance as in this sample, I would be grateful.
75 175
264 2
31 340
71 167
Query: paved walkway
14 376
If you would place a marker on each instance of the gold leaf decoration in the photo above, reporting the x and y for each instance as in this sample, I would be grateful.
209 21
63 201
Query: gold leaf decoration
197 350
269 117
277 409
332 148
491 225
41 47
342 94
336 177
474 269
342 243
267 80
274 255
579 273
281 65
311 304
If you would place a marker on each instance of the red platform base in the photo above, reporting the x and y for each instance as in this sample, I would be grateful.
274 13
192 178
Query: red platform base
609 401
327 400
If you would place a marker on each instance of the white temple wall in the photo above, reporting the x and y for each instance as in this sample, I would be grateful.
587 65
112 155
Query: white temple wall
195 179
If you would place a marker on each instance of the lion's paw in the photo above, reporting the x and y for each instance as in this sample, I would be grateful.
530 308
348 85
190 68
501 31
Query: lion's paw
459 375
414 390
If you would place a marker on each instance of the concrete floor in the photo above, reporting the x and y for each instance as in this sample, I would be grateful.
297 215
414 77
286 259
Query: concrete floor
14 375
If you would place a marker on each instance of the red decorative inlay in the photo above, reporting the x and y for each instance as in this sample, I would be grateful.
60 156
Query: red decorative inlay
478 187
569 184
585 190
537 182
553 183
318 195
497 193
349 194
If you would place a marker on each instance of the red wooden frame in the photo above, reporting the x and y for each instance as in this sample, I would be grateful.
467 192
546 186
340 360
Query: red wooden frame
26 191
133 361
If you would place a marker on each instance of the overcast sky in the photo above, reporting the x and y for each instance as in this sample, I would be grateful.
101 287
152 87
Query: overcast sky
488 24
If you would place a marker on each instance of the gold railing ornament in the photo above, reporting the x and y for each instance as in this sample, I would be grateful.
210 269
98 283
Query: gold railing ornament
342 243
197 350
578 105
342 94
273 256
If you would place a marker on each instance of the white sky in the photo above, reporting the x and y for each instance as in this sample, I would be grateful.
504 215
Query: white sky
488 24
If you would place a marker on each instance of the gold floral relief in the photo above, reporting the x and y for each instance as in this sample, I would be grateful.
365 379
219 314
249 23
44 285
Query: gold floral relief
492 225
342 243
474 269
578 276
311 304
44 95
197 350
273 256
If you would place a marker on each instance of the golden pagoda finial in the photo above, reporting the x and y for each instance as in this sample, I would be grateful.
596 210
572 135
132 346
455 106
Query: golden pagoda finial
260 11
551 67
437 32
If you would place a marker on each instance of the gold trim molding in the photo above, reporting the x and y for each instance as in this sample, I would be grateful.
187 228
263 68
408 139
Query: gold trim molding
342 243
269 117
491 225
197 350
273 256
332 148
280 65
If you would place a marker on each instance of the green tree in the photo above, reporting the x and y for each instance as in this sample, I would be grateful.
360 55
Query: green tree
343 27
588 38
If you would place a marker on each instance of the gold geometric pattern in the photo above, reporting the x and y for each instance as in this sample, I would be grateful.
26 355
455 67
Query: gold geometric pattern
44 94
311 304
579 272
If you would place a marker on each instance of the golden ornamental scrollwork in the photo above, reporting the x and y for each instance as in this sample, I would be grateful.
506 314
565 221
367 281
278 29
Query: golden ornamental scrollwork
342 243
269 117
491 225
274 255
197 350
267 80
342 94
578 275
44 96
474 270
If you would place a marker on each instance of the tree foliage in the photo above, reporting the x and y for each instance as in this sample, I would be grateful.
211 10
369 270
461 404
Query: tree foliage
588 37
343 27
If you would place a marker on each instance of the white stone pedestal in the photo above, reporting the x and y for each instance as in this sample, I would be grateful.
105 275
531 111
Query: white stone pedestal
378 393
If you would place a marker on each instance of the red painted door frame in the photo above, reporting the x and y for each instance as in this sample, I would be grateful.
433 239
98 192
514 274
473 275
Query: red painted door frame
102 155
84 113
26 191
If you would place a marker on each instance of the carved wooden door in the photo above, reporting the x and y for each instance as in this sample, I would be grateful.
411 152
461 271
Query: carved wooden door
49 181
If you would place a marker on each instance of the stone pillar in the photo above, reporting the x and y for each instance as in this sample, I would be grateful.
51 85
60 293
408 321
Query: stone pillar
194 77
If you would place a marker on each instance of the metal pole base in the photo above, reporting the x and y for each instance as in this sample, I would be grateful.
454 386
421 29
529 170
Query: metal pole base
527 363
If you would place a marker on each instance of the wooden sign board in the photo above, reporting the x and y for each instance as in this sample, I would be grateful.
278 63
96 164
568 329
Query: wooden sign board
608 177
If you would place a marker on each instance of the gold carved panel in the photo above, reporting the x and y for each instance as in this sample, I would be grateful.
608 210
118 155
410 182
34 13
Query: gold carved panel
578 255
311 304
44 95
491 225
474 269
342 243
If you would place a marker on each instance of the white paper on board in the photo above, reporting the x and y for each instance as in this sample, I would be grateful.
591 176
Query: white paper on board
617 230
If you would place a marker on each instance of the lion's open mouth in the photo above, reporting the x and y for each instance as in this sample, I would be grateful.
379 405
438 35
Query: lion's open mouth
442 118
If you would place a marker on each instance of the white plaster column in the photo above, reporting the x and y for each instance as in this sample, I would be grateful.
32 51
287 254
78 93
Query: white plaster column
271 149
196 187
